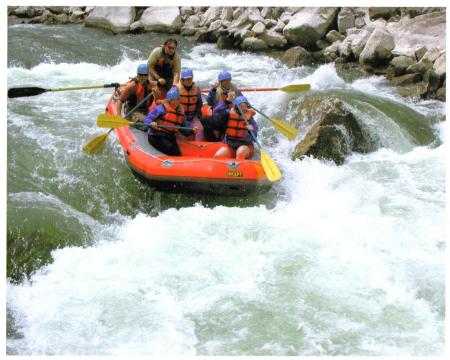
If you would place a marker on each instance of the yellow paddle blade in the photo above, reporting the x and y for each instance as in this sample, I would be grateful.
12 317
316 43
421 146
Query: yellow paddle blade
269 166
95 144
284 128
296 87
111 121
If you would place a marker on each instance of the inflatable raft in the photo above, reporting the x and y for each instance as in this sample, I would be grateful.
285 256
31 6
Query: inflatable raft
195 171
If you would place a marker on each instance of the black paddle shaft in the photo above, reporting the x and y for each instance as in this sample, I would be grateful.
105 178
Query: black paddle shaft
33 91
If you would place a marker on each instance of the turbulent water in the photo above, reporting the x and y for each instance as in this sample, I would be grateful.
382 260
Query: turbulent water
333 260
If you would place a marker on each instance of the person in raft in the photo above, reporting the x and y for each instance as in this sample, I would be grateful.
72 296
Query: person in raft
239 142
164 121
164 66
221 89
220 98
191 99
134 92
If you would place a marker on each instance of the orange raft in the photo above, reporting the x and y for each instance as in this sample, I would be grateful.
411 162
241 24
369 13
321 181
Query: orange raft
195 171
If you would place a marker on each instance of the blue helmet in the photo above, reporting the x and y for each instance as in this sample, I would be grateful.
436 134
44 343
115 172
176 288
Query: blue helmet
239 100
224 75
142 69
173 94
187 73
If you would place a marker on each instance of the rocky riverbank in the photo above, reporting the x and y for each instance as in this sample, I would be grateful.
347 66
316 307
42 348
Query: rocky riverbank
407 45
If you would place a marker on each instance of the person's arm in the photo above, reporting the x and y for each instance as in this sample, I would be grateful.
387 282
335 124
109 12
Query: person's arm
124 96
198 106
211 98
153 115
176 69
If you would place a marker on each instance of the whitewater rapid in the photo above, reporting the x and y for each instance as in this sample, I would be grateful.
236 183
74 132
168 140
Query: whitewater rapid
348 261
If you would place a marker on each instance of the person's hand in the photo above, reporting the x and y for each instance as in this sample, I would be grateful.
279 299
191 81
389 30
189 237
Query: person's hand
250 127
161 81
195 129
231 96
156 92
216 84
154 125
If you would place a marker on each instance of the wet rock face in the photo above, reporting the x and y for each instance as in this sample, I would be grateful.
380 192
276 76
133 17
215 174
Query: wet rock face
336 133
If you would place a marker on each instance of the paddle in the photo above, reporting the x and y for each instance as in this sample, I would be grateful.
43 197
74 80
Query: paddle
96 143
112 121
269 166
287 88
282 126
33 91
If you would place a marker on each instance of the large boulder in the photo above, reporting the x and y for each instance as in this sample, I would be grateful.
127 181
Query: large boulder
378 48
336 133
253 44
297 56
273 39
118 19
427 29
162 19
345 20
439 65
309 25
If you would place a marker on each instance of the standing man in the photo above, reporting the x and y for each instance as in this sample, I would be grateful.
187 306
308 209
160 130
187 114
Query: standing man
164 66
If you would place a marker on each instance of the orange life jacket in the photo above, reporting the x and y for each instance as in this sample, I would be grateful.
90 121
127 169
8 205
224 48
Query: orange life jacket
140 93
188 99
172 117
236 127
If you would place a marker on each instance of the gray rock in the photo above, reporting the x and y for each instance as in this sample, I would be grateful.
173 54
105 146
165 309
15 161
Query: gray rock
273 39
433 80
58 9
227 14
359 42
269 23
419 89
336 133
420 51
345 48
421 67
345 20
118 19
378 48
383 12
400 64
28 11
427 29
309 25
237 13
439 65
406 79
225 42
440 94
259 28
431 55
254 15
333 36
192 21
297 56
137 27
253 44
322 44
279 26
186 11
331 52
162 19
212 14
266 13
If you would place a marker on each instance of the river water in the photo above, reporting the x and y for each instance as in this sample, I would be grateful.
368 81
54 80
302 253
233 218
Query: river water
333 260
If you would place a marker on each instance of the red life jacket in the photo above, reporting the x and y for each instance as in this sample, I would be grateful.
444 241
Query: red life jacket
172 117
236 127
188 99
